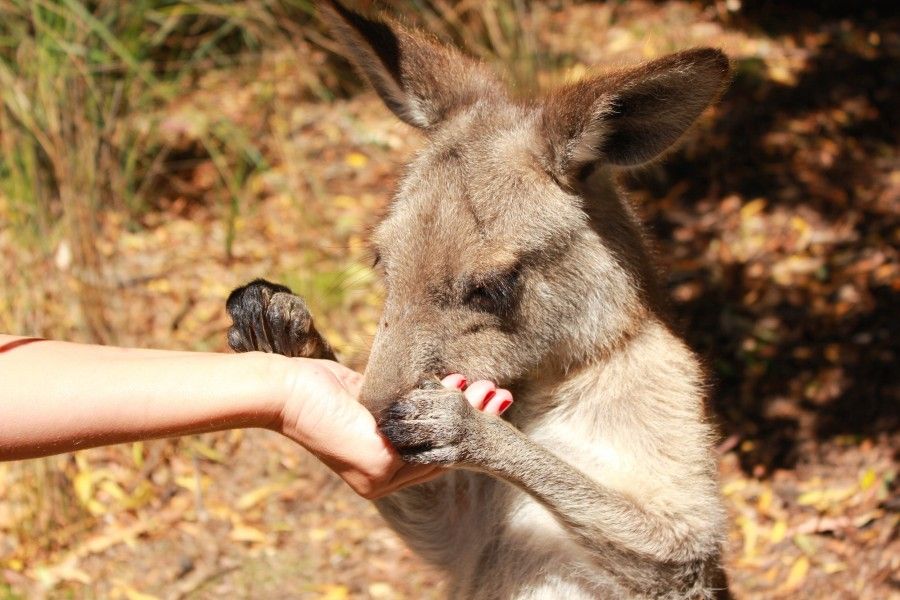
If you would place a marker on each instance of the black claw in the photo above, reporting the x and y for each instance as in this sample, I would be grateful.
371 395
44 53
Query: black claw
398 434
398 411
236 340
247 306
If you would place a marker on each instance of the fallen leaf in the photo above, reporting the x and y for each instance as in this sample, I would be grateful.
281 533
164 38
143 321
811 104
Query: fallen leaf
245 533
868 479
796 576
133 594
356 160
254 497
334 592
750 532
779 529
753 208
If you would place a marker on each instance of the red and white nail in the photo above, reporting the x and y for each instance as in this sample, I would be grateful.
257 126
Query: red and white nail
454 381
499 403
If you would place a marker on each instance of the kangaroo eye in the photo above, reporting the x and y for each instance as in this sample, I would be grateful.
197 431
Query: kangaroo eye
495 294
481 298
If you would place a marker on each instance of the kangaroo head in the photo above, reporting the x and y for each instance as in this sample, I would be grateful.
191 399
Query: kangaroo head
506 250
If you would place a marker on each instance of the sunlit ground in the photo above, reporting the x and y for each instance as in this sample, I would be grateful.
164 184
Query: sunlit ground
777 225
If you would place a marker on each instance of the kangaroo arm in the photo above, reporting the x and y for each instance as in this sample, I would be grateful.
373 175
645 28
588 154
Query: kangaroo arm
647 554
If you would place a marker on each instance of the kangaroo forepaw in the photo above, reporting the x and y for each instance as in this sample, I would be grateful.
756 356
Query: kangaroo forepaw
269 318
430 425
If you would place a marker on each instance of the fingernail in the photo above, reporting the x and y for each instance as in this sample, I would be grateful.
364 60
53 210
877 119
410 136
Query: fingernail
506 404
487 398
454 380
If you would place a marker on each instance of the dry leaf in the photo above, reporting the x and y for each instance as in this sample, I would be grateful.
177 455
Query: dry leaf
133 594
796 576
779 529
334 592
245 533
356 160
254 497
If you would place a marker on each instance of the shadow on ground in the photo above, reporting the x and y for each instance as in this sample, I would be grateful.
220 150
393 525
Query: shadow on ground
791 202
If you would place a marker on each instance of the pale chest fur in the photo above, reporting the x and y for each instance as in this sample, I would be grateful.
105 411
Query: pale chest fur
635 424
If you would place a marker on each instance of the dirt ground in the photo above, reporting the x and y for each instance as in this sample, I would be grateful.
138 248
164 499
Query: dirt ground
776 226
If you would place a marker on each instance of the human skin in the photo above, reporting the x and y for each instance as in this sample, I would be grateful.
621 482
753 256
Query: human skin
59 396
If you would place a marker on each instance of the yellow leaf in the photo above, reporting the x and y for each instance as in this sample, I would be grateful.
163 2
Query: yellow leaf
345 202
799 224
834 567
141 496
779 529
84 486
380 589
765 501
189 482
782 74
317 534
159 286
254 497
805 543
245 533
334 592
796 575
137 454
133 594
356 160
115 490
96 508
81 462
822 499
752 208
734 486
50 576
811 498
207 452
868 479
750 532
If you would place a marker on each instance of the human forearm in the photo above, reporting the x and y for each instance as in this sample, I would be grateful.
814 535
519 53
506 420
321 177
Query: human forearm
57 396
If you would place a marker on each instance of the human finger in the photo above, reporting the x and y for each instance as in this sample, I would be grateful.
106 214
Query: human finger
454 381
479 393
498 404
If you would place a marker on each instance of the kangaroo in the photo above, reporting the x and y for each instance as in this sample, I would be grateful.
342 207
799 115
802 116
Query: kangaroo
509 254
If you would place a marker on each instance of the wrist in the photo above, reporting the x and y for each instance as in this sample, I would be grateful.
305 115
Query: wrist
273 378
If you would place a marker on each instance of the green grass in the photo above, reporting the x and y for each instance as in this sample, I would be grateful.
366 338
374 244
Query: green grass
83 88
74 78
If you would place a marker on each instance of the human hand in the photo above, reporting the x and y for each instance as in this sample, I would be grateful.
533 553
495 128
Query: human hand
321 412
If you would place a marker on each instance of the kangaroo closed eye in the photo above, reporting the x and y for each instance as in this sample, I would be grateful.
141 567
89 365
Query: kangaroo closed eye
494 294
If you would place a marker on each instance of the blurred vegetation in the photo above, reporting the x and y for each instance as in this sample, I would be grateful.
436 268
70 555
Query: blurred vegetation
86 80
154 154
85 88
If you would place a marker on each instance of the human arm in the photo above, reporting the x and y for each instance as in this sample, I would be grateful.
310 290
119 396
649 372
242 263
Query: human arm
58 397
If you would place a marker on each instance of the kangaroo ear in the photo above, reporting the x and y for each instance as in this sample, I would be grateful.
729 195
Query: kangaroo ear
630 117
419 79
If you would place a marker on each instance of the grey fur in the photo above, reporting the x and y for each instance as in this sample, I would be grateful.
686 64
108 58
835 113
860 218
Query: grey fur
506 259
